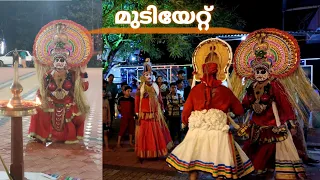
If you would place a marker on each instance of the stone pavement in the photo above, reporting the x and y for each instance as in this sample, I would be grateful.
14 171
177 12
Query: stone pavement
122 164
7 73
82 160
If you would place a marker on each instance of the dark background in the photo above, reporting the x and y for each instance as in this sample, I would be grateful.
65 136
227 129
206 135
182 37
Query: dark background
268 14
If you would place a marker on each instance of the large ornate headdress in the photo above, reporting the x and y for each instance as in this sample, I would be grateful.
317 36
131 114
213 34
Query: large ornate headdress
63 38
213 50
67 39
272 49
279 52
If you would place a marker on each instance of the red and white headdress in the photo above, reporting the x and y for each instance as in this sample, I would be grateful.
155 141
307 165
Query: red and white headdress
63 38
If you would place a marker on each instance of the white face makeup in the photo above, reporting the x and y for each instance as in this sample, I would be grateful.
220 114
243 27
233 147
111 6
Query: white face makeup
261 74
147 76
59 63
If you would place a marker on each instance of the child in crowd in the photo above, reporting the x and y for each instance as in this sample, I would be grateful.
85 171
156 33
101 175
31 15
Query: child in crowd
126 108
106 120
174 102
120 94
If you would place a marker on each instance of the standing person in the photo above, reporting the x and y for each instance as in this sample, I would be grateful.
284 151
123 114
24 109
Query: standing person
23 56
187 89
180 87
181 76
126 108
63 80
159 81
134 84
174 102
271 59
121 92
180 90
209 146
112 91
152 135
163 90
106 121
104 85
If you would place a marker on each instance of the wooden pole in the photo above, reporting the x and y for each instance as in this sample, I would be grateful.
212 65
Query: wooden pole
17 164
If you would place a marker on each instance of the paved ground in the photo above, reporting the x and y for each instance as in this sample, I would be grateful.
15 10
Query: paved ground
122 164
82 160
8 71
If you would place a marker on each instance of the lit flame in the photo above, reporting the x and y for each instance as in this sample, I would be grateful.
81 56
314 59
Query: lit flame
38 101
9 104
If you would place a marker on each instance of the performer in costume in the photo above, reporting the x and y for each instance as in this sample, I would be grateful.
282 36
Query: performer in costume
209 145
62 50
269 59
152 135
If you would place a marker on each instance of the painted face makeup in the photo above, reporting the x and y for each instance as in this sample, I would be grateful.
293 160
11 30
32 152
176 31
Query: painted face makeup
59 63
147 76
261 74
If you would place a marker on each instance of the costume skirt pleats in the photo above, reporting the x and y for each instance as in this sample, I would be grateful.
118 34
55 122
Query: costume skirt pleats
211 151
152 139
288 163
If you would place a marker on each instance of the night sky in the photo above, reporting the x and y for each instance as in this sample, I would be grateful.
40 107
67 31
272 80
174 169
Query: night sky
258 15
268 14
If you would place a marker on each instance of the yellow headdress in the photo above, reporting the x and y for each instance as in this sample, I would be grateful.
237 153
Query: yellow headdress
212 50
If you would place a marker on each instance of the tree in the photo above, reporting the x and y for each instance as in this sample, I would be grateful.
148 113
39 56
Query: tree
22 20
84 12
119 46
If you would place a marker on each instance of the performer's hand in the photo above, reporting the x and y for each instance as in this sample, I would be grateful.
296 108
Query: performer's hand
183 126
231 114
83 68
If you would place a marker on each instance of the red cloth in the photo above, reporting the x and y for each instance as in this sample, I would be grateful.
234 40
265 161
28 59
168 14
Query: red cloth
284 107
263 155
152 135
42 124
145 101
126 123
200 99
85 85
209 71
126 106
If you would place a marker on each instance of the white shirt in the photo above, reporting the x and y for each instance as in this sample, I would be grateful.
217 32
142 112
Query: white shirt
181 92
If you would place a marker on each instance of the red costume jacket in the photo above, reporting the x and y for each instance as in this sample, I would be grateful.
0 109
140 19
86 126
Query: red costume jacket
200 99
145 102
274 91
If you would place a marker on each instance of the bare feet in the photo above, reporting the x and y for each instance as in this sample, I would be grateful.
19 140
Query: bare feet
108 150
119 146
131 144
140 160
